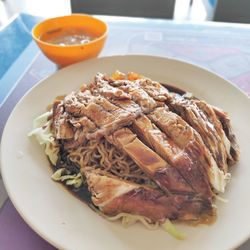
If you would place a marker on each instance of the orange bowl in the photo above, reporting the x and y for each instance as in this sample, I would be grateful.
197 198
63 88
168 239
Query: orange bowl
69 54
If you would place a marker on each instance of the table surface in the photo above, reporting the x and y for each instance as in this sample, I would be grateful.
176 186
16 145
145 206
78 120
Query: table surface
220 47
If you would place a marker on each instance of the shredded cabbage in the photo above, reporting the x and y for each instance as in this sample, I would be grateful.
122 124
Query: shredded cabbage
130 219
41 120
169 227
221 199
62 174
218 178
42 132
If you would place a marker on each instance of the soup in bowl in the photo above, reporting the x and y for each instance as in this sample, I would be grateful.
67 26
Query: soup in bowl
69 39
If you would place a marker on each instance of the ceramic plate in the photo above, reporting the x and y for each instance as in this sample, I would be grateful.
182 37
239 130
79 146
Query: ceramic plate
66 222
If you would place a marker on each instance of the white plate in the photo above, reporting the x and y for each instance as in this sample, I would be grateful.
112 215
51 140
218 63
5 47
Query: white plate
66 222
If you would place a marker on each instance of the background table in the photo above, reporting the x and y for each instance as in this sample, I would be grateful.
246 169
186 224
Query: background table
220 47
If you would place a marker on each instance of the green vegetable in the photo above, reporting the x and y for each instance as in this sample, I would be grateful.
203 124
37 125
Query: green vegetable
42 132
63 174
169 227
41 120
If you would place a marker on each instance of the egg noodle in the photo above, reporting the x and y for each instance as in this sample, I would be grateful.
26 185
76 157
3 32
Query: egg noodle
104 156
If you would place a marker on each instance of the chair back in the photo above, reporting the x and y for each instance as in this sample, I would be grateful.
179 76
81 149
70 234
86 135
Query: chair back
237 11
132 8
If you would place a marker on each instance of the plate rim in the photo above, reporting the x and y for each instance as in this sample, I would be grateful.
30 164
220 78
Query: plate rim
69 68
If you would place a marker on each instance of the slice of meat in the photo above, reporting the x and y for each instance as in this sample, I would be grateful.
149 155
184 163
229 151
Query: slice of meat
128 105
174 155
225 123
134 91
167 177
141 97
114 95
83 122
61 127
194 116
75 102
212 117
154 89
227 127
106 116
113 196
137 100
211 111
102 86
83 126
190 141
69 129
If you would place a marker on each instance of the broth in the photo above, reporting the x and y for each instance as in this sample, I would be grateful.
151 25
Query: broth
67 36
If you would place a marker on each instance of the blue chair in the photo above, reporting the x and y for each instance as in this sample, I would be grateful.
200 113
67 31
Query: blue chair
16 40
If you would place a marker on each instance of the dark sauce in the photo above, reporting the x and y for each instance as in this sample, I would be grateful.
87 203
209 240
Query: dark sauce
174 89
81 193
179 91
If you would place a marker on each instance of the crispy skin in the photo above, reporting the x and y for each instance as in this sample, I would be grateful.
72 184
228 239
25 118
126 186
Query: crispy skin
173 154
189 140
114 196
101 86
140 96
223 119
201 116
60 125
167 177
83 126
226 125
116 96
69 129
154 89
138 89
106 116
128 105
222 138
132 89
194 116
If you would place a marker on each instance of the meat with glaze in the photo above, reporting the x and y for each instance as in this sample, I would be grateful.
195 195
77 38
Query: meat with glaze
114 196
190 141
167 177
182 145
177 157
199 120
